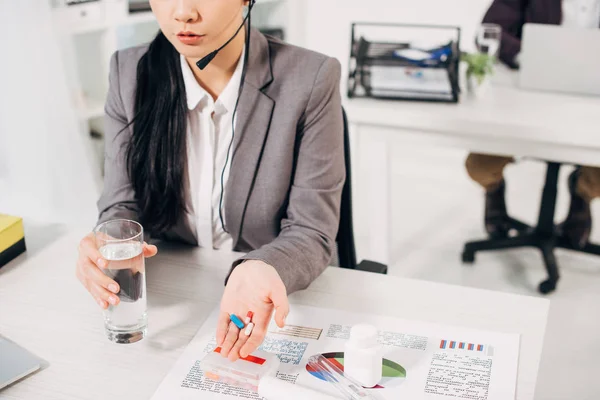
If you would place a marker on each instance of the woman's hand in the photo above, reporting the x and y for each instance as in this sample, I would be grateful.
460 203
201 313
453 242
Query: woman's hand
253 286
89 271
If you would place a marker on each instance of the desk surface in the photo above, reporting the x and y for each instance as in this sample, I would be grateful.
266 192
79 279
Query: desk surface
44 308
504 120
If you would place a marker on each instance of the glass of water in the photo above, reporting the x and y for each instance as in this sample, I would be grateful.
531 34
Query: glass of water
488 39
121 243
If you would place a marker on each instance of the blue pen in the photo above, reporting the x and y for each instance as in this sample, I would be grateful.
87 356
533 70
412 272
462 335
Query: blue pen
236 321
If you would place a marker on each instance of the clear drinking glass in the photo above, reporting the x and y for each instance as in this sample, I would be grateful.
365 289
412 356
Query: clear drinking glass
121 243
488 39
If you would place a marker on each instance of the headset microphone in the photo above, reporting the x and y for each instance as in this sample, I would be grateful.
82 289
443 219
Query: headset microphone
202 64
208 58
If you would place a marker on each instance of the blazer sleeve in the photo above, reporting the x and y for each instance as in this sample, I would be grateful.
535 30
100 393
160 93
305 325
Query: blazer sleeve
118 197
510 15
306 242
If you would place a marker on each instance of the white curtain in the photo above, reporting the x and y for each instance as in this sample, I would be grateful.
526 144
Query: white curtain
46 159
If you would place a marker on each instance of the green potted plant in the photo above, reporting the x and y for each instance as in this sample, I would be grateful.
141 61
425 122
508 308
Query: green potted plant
480 67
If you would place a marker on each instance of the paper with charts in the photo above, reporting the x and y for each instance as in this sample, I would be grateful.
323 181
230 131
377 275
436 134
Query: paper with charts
421 360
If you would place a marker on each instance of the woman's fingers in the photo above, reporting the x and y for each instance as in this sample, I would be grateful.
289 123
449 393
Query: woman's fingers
281 304
103 295
150 250
261 323
255 340
94 274
222 327
103 305
79 274
100 286
230 339
234 354
87 248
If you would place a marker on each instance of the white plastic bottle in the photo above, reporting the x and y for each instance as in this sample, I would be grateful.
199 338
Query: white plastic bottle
363 356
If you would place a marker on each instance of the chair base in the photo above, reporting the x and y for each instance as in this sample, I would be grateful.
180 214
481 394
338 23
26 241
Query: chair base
545 236
533 238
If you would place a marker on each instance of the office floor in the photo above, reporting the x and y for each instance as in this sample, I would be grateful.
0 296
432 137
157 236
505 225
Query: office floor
438 208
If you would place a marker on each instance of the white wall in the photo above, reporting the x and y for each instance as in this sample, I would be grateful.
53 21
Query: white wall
328 22
45 172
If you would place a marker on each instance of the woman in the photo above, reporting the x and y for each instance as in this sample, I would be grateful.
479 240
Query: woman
271 187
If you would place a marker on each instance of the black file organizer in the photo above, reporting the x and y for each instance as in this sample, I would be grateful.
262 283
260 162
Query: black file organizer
365 54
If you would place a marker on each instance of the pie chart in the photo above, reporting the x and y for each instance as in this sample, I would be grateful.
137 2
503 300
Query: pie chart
393 373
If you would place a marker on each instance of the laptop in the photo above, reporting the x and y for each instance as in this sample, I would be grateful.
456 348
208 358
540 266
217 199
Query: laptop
559 59
15 362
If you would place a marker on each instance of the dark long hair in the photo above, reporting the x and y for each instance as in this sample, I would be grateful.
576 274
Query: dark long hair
156 154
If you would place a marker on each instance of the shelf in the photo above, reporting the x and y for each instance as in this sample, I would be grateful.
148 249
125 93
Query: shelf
101 26
138 18
71 22
79 30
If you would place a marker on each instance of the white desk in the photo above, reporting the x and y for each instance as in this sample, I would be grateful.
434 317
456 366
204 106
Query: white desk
505 121
45 309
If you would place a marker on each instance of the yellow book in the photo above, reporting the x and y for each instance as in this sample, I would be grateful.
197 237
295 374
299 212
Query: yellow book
12 238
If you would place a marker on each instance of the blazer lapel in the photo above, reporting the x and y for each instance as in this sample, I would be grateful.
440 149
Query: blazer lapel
253 120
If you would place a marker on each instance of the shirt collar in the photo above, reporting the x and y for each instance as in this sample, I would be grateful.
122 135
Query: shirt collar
196 93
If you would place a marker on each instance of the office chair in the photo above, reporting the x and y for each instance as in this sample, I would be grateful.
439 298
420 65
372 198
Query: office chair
345 236
545 235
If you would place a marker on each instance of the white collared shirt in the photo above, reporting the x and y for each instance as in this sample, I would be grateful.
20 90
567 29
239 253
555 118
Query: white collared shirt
209 133
583 14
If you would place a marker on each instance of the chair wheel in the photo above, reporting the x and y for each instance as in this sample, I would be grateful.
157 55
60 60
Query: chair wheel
547 286
468 257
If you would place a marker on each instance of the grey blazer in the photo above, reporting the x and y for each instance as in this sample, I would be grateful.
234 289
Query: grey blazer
283 193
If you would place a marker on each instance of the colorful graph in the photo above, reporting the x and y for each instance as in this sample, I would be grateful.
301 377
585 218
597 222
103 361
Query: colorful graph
393 373
456 345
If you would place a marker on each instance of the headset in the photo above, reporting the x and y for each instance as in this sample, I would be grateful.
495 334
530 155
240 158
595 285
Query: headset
202 63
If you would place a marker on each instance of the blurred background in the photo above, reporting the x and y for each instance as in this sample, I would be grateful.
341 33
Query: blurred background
55 76
53 82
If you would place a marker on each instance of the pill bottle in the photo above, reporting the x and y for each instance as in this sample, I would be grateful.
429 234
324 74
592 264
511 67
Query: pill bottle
363 356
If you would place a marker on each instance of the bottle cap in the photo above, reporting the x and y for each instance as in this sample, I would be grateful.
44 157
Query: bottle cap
363 336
